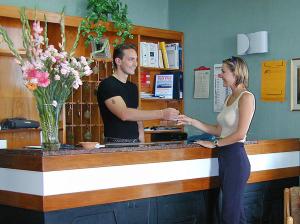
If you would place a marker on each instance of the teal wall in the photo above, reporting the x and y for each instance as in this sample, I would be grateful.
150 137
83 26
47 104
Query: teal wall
73 7
152 13
210 29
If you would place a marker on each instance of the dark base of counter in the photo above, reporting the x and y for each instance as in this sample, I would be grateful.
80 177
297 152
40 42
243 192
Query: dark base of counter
263 204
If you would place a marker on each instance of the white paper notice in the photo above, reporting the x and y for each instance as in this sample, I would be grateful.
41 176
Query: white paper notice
220 92
201 89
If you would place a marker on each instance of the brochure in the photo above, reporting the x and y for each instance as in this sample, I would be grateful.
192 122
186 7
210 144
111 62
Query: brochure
164 86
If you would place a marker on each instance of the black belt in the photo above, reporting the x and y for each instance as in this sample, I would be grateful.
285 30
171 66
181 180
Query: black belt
121 140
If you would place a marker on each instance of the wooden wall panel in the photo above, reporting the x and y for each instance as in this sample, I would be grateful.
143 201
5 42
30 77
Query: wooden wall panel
14 30
150 105
16 100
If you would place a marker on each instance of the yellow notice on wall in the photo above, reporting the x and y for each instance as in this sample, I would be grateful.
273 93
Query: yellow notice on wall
273 81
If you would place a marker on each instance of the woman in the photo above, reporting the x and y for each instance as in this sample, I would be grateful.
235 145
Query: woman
232 127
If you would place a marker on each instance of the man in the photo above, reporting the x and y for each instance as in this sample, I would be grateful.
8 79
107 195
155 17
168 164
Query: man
118 101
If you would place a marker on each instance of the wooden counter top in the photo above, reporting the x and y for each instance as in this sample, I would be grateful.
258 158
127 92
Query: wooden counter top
54 180
39 160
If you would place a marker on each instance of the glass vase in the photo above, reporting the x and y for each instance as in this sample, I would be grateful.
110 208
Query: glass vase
49 121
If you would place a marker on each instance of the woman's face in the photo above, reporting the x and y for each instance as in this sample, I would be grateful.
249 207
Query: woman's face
227 76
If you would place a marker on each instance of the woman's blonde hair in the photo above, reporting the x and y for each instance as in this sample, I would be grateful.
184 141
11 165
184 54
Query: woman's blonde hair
239 68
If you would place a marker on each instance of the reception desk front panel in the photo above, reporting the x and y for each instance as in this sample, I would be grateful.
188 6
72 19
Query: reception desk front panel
75 178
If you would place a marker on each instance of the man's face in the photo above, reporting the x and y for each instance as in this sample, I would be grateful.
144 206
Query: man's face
128 63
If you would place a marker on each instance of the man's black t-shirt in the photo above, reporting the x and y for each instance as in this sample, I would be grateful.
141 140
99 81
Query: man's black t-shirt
113 126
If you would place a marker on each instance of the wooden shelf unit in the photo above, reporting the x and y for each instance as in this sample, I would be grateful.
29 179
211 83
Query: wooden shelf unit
6 52
83 120
158 69
80 118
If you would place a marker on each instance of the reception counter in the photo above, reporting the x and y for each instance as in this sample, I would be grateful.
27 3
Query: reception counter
49 181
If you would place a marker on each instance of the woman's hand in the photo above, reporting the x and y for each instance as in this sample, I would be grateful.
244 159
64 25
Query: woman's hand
206 144
184 120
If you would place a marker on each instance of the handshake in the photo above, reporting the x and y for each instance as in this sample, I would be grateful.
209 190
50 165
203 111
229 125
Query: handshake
171 114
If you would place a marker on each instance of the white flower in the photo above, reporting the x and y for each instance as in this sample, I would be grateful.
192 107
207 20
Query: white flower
38 64
57 77
38 39
65 65
43 57
64 71
73 60
75 85
34 81
36 27
86 68
63 54
26 66
83 60
77 82
74 72
88 72
47 53
52 49
54 103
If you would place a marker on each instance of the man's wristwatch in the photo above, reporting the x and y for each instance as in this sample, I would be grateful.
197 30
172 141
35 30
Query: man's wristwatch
216 142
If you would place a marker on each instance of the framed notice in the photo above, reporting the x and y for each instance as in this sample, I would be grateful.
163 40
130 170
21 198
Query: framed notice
201 84
163 86
295 84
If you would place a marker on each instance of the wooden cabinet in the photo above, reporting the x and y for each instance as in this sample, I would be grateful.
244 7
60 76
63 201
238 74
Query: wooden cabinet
150 35
81 120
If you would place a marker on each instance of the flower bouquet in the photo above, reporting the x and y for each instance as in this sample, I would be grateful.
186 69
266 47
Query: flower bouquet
48 72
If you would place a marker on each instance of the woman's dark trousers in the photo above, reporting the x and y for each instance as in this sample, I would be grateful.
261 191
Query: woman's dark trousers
234 171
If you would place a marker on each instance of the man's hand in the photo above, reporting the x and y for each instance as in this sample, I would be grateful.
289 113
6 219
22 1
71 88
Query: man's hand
170 114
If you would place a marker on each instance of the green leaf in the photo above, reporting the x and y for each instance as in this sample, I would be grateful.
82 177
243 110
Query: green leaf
103 10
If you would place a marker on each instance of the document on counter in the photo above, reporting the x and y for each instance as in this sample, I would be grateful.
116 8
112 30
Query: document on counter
273 81
220 92
201 85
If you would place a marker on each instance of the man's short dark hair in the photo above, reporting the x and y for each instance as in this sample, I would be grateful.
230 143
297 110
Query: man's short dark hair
119 51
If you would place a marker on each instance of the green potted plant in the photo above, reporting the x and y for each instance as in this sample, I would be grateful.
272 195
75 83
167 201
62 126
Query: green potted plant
105 11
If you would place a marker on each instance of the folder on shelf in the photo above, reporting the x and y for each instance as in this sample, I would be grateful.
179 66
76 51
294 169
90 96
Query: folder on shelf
152 55
180 57
144 54
173 55
162 46
178 85
160 59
